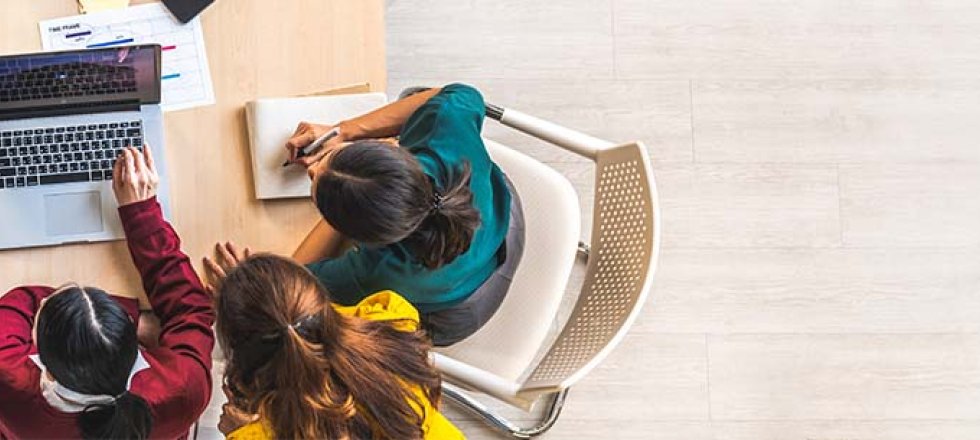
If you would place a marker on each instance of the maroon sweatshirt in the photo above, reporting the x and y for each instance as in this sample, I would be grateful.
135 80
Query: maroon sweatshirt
177 386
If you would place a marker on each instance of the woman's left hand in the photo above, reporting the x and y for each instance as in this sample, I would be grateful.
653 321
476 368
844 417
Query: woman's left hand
226 257
233 417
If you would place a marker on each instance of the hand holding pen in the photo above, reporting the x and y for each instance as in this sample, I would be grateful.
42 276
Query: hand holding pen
310 142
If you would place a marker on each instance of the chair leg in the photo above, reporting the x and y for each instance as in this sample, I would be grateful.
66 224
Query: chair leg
501 424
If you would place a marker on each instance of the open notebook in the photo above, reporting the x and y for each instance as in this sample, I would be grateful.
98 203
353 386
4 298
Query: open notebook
272 121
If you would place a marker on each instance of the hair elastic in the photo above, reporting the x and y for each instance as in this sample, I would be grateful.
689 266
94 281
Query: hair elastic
437 200
300 326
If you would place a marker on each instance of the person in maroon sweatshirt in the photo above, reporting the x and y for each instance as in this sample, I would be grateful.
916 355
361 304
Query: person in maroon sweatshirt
70 362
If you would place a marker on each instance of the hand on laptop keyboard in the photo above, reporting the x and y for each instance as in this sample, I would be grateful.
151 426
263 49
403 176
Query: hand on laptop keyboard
134 176
64 154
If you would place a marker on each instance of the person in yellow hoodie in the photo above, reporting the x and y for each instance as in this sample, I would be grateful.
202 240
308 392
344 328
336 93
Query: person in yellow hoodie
300 367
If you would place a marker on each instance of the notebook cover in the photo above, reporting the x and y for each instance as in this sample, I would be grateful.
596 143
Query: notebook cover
272 121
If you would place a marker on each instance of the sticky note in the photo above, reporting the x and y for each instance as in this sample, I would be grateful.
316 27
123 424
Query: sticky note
89 6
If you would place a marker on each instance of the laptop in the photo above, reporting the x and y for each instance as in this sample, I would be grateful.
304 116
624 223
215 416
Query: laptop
64 118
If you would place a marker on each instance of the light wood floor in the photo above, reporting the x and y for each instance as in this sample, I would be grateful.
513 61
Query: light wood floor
819 172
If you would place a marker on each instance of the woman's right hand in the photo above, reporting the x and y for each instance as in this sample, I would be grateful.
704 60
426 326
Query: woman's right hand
134 176
305 134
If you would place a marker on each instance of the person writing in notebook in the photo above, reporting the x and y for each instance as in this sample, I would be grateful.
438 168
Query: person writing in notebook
71 361
430 215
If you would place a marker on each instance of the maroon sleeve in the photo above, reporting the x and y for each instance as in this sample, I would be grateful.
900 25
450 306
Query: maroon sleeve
171 284
17 310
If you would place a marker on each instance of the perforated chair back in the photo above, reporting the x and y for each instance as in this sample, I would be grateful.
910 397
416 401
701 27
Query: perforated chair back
622 260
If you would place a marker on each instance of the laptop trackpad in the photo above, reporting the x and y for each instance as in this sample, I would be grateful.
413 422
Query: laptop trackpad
75 213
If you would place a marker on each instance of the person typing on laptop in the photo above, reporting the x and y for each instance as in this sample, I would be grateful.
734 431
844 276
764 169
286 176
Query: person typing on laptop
72 365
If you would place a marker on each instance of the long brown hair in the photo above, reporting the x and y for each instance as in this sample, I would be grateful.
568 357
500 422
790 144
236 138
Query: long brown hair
311 372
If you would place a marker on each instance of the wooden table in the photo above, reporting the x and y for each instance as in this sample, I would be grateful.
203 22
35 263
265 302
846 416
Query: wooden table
256 48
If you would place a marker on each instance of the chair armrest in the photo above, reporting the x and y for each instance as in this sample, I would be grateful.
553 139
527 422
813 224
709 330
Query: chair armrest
564 137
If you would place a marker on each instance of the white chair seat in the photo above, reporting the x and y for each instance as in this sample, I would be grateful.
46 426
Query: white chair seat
508 343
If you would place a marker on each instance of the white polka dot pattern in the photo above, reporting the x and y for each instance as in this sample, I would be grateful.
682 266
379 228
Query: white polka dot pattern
616 273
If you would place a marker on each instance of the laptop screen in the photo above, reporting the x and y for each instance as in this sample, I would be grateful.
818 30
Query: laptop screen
84 78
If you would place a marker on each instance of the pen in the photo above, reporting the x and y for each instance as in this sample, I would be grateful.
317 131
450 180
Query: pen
315 145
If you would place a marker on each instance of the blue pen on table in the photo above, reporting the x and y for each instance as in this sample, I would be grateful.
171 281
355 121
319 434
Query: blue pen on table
315 145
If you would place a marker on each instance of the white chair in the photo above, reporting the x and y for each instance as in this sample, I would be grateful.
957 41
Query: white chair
504 358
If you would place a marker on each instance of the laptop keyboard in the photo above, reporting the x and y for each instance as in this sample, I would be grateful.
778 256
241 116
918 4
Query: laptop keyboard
63 80
64 154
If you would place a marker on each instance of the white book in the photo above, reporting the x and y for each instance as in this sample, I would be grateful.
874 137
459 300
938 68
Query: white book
271 122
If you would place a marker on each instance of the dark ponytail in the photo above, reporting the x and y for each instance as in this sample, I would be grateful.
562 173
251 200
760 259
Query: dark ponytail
376 193
88 343
127 417
447 231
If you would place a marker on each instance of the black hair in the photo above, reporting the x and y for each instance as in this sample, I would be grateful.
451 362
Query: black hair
88 342
376 193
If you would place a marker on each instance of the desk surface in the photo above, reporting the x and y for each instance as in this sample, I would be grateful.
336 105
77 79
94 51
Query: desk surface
255 50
